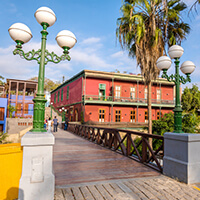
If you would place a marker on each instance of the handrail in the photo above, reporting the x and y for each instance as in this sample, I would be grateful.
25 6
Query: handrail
60 114
125 99
125 142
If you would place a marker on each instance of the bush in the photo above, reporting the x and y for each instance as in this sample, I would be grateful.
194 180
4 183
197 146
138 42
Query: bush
3 137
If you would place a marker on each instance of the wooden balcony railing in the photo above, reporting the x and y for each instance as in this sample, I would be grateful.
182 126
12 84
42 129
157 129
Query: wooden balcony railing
125 99
132 144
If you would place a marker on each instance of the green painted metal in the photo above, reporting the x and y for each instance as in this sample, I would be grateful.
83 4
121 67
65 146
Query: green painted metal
63 115
51 111
177 79
42 56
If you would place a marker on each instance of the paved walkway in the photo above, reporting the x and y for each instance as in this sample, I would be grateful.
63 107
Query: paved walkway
86 171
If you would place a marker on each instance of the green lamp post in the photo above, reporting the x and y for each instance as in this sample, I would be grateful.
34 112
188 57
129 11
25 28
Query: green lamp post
51 104
21 34
63 114
187 67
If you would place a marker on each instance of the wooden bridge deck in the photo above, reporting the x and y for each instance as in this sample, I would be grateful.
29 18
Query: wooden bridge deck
78 161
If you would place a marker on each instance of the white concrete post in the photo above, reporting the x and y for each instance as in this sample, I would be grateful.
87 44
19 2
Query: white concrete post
37 180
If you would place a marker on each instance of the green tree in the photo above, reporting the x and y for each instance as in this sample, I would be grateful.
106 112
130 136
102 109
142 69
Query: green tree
145 29
190 123
49 85
11 109
190 99
1 80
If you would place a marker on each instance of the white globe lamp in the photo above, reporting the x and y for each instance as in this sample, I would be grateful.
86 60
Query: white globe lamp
45 15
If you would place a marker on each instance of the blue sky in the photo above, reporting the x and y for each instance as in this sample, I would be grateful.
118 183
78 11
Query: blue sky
94 24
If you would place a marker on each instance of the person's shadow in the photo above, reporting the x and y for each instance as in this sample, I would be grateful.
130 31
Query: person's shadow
12 194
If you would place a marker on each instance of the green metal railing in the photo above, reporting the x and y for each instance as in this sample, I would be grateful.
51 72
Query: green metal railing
125 99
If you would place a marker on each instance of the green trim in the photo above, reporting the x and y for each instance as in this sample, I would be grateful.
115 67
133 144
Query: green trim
67 92
74 78
127 103
62 95
80 102
58 96
55 98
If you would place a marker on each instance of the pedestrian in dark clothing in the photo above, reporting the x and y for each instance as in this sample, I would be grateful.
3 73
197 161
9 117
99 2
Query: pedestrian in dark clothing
66 123
55 124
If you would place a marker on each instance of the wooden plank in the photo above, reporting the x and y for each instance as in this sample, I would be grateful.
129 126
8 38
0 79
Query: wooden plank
116 188
110 189
86 193
59 195
124 187
95 192
77 193
104 192
68 194
135 190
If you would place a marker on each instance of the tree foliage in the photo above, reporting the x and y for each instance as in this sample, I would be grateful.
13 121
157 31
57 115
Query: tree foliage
1 80
49 85
11 109
145 29
191 99
190 123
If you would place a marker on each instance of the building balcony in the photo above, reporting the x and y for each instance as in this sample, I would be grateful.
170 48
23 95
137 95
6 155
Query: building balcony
125 100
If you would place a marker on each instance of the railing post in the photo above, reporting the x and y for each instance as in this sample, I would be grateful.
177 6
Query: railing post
88 135
128 150
144 150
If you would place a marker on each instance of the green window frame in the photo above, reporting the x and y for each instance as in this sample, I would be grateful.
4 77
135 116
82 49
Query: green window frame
62 95
58 96
67 92
55 98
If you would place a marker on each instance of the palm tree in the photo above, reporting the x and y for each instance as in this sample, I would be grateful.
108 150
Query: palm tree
146 29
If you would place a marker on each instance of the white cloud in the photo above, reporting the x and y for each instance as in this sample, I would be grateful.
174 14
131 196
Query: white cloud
83 57
91 40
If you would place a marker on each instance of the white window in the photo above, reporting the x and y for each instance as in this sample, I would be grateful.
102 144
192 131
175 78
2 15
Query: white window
117 91
145 93
132 92
101 115
158 94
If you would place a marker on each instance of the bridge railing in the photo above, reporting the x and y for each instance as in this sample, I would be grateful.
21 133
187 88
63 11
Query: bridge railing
132 144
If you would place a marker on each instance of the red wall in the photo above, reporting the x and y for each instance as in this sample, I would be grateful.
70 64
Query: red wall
75 93
91 113
92 86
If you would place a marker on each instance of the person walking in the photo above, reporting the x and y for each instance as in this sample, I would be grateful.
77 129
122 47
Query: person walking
49 124
66 123
55 124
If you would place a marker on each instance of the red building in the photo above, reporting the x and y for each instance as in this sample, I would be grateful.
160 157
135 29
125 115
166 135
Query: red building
102 97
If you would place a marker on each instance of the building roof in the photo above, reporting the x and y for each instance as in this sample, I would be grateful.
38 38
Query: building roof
29 83
111 75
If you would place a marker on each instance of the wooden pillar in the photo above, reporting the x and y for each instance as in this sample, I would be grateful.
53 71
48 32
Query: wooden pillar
23 102
137 91
112 99
84 98
9 101
17 88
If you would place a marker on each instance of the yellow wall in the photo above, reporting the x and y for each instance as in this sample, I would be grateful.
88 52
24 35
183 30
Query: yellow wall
10 170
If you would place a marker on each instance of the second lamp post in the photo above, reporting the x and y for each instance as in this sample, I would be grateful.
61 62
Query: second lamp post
187 67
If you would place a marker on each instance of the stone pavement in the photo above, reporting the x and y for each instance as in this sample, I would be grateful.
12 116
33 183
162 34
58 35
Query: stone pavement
154 188
86 171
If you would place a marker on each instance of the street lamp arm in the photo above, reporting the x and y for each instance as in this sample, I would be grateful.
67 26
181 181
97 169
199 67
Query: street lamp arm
52 57
171 78
36 55
31 55
185 80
